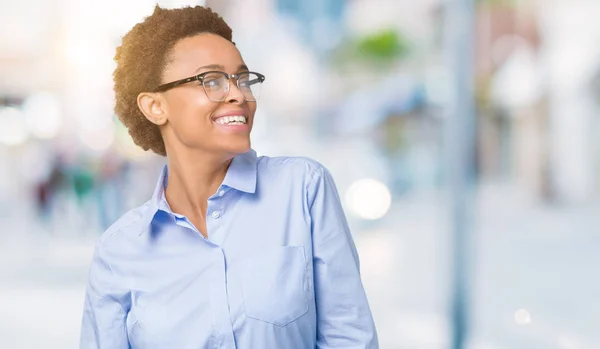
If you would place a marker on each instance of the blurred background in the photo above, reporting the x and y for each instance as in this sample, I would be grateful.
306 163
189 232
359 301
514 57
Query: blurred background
362 86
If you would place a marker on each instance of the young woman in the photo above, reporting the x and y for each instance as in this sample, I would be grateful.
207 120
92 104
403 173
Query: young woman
232 250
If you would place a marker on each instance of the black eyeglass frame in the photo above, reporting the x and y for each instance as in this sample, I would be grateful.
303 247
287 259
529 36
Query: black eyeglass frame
200 77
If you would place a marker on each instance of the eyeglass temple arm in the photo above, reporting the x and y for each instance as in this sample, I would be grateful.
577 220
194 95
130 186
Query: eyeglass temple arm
257 80
176 83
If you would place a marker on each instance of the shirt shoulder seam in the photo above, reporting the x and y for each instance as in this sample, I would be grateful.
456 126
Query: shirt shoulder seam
115 230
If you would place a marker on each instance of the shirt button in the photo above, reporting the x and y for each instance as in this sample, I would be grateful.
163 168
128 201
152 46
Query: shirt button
222 192
216 214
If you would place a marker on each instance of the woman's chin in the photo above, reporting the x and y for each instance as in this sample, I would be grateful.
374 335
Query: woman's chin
237 147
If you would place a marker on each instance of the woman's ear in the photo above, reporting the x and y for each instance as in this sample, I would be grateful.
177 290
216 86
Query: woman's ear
151 105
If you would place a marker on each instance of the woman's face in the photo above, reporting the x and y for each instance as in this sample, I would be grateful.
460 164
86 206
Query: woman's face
193 121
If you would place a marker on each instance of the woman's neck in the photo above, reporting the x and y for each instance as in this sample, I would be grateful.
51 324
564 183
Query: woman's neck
192 180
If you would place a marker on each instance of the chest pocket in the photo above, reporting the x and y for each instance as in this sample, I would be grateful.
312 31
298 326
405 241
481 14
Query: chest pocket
274 285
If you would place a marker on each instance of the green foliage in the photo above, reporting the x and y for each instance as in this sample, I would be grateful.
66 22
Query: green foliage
377 49
385 45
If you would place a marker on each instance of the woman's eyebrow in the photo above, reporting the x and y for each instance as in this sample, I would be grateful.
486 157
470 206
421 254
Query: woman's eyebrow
211 66
241 67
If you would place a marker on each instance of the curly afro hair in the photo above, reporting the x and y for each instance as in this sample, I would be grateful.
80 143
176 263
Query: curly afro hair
141 60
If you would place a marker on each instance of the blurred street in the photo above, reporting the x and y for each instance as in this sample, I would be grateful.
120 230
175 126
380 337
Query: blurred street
534 276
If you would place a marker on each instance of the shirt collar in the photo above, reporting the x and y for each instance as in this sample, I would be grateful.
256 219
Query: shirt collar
241 176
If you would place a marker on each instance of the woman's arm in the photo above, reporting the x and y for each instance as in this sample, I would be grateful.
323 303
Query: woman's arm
344 319
105 308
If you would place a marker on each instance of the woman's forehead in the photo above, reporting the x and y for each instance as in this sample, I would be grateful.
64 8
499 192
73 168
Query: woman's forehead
204 50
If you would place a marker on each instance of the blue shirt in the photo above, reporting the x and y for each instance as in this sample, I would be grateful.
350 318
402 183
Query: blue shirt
279 268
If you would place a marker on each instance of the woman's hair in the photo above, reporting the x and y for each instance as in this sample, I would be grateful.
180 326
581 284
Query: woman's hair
141 60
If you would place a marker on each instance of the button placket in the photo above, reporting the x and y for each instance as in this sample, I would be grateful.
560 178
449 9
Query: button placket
214 218
224 334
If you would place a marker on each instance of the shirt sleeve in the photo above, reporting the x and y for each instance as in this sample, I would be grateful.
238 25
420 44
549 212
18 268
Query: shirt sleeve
104 312
344 319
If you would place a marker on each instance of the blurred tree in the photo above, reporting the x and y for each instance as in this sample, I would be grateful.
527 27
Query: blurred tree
375 51
385 45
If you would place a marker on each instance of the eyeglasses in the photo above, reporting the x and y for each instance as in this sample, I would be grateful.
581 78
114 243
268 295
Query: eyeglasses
216 84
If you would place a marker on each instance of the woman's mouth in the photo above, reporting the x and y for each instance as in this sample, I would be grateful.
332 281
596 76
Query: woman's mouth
231 120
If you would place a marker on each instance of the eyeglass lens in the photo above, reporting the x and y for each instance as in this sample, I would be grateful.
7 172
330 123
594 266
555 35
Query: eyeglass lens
217 86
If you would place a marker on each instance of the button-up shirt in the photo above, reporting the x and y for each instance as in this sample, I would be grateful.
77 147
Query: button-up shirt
279 268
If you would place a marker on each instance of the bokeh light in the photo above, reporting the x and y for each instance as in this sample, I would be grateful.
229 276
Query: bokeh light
13 130
43 115
368 199
98 139
522 317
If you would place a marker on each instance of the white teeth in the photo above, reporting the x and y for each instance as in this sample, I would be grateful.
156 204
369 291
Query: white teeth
233 120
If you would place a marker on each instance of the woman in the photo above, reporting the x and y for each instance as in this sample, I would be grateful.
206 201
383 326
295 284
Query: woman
232 250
